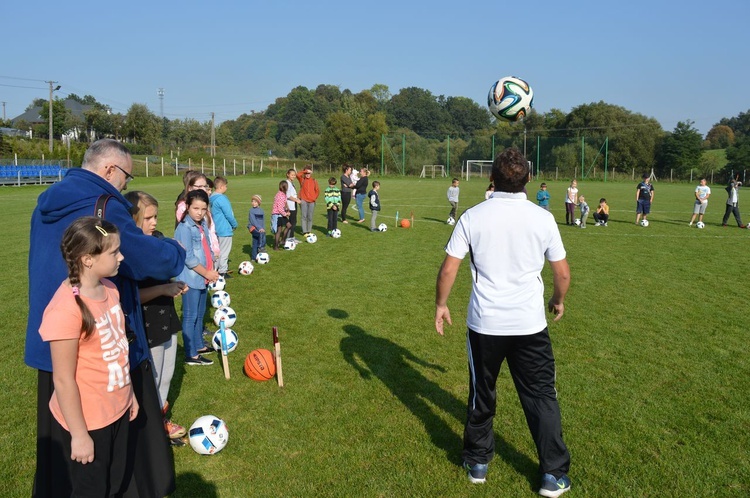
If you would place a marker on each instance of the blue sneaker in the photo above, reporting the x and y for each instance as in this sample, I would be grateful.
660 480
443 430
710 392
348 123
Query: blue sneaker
553 487
477 473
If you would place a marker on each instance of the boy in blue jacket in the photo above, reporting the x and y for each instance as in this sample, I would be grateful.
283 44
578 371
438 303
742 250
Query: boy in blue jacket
224 223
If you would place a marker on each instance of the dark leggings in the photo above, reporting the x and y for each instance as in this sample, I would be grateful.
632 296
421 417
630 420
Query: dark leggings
346 199
570 210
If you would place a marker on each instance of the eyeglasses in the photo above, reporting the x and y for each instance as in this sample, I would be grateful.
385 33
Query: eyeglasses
204 187
128 176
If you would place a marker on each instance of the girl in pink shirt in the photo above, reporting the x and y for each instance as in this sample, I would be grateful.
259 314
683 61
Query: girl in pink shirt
93 399
280 214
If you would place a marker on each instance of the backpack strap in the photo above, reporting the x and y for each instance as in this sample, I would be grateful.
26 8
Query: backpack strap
101 205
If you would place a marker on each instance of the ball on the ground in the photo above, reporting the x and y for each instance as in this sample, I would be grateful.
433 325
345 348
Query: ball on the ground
311 238
208 435
644 223
336 233
382 227
227 313
405 223
220 299
510 98
700 224
263 258
232 340
451 221
259 365
577 222
218 285
246 268
290 245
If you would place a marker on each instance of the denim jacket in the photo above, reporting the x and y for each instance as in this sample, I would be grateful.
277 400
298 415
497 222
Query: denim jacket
188 234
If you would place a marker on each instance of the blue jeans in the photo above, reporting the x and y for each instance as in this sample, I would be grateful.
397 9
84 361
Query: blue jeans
360 198
259 242
193 309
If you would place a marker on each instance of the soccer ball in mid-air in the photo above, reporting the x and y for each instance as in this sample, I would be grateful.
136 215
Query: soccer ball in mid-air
644 223
227 314
220 299
246 268
336 233
311 238
218 285
577 222
510 98
290 245
232 340
208 435
263 258
700 224
451 221
382 227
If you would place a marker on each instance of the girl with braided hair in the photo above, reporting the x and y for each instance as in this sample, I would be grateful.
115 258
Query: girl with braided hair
84 324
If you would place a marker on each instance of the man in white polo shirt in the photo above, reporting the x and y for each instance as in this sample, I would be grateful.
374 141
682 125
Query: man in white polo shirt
508 239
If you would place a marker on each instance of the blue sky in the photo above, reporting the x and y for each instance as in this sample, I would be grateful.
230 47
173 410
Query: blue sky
674 61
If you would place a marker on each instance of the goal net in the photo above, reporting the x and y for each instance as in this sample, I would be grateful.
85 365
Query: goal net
477 168
431 170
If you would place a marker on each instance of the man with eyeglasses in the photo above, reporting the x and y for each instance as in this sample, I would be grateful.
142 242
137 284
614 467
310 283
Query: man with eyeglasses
106 170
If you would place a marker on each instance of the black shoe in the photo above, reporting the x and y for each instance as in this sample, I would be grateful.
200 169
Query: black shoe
199 361
226 275
206 350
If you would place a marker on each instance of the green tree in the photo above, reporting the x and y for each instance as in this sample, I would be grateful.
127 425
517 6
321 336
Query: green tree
681 150
466 116
60 117
738 154
740 124
141 125
339 139
419 111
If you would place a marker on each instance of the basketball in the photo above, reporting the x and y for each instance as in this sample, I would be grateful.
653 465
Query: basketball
259 365
405 223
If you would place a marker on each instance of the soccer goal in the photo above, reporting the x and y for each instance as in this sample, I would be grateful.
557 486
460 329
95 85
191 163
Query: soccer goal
477 168
432 170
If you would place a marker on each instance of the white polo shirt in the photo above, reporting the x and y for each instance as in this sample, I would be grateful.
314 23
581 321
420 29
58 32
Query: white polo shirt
291 192
508 239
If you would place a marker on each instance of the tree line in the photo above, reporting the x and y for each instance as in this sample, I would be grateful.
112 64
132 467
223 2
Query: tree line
332 126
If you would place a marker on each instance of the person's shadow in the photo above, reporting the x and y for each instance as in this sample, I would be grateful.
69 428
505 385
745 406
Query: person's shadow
192 484
394 366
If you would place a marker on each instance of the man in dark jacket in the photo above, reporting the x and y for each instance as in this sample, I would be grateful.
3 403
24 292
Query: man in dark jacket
106 170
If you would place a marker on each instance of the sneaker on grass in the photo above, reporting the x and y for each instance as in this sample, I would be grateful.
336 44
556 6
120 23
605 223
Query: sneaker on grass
174 431
553 487
477 473
198 361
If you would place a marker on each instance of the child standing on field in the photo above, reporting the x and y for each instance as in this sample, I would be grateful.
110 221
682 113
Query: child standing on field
159 314
453 200
256 225
374 204
280 210
584 210
192 234
332 197
93 401
542 197
601 216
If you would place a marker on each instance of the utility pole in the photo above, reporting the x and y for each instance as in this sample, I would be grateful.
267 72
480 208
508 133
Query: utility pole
160 93
4 110
50 110
213 136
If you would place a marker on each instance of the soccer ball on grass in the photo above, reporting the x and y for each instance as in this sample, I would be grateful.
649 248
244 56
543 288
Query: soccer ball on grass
382 227
336 233
227 314
218 285
246 268
262 258
232 340
220 299
644 223
700 224
208 435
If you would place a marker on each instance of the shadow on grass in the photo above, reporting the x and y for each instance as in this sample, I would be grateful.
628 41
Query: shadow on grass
192 484
393 364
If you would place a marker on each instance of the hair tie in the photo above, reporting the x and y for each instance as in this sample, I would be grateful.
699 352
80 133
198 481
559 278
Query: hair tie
76 291
101 230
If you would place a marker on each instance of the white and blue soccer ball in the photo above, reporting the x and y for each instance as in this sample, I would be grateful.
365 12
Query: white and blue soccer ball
577 222
510 99
700 224
382 227
220 299
232 340
311 238
644 223
208 435
290 245
219 284
336 233
262 258
246 268
227 313
451 221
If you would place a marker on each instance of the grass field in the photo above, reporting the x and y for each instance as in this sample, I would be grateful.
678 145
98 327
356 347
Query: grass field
652 357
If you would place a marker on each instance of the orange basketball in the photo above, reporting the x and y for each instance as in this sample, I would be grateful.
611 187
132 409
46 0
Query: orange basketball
259 365
405 223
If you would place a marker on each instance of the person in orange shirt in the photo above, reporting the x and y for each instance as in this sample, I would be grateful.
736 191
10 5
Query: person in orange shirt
93 399
309 191
601 215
